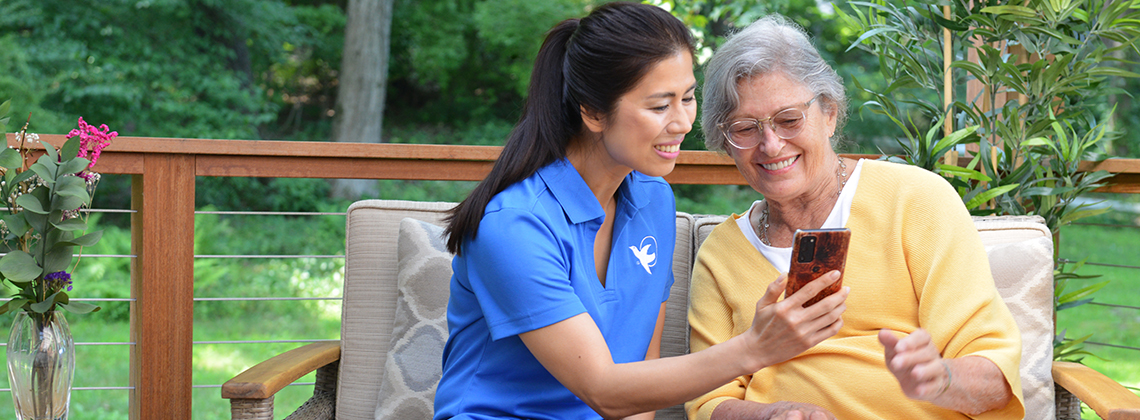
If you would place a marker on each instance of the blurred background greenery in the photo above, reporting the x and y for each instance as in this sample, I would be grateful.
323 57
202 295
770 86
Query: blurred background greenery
268 69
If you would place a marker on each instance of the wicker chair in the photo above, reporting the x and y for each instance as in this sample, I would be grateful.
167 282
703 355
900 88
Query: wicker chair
386 363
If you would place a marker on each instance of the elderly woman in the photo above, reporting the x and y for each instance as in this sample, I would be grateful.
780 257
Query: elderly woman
925 334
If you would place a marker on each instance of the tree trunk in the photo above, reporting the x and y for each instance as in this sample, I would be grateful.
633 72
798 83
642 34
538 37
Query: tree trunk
363 76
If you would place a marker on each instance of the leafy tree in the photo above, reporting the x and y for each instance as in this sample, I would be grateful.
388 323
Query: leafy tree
204 70
467 60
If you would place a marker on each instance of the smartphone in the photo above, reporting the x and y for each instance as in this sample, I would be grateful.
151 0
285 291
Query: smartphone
816 252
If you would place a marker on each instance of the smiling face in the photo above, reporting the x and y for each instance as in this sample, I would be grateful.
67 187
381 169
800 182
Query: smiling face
798 168
648 123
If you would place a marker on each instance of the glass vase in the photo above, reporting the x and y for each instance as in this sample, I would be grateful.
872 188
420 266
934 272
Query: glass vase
41 365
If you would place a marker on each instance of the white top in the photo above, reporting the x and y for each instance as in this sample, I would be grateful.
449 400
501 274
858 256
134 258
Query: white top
781 258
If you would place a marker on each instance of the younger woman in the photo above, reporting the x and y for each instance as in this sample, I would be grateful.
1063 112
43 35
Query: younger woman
563 252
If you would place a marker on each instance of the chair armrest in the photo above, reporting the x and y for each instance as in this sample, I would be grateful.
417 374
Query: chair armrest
266 378
1110 400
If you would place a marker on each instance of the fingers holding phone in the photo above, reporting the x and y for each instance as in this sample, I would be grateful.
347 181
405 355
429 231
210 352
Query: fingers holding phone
815 253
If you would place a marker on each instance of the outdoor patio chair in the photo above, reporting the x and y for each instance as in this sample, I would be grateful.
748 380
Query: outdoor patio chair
393 326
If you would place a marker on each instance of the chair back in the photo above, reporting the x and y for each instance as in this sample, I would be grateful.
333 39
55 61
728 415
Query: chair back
370 291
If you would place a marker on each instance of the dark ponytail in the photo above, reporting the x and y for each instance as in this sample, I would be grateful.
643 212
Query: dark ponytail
583 63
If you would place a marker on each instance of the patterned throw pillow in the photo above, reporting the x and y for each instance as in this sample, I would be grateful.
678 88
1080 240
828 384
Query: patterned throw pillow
1022 266
413 366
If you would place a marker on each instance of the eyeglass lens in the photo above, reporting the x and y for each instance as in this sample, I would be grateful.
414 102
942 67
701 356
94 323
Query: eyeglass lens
746 134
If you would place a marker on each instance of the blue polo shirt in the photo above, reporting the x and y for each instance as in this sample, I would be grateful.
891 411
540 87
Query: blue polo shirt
531 265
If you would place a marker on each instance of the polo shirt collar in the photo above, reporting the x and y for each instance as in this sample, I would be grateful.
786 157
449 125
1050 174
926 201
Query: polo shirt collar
566 184
638 198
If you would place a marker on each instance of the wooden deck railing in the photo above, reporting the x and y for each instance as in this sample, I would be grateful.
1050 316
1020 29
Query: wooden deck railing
162 231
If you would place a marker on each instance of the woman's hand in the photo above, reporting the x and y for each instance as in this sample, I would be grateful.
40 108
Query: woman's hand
784 329
790 410
970 384
917 364
780 410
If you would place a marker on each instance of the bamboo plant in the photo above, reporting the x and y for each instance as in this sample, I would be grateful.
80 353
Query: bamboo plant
1019 86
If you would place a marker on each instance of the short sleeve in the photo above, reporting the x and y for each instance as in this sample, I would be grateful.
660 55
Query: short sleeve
519 271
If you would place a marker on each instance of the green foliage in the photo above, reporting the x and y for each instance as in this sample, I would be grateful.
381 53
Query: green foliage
1054 60
44 225
467 60
263 194
1028 149
211 68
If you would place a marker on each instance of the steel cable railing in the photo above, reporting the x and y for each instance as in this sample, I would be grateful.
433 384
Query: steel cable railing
212 299
1090 262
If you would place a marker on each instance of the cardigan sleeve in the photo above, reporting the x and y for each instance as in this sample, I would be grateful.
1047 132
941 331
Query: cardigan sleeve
959 304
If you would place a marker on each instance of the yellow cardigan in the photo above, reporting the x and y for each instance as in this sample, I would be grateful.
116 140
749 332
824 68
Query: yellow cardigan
916 260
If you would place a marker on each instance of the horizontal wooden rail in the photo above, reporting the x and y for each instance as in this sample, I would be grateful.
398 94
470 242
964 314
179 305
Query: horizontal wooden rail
163 173
307 159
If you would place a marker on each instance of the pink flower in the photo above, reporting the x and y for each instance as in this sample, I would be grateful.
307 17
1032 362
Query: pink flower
92 140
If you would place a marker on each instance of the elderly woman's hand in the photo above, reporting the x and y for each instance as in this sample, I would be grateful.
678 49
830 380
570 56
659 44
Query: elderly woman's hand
791 410
779 410
784 329
916 363
971 384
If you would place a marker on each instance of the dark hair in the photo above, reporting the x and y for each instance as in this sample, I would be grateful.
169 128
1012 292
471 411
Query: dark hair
583 63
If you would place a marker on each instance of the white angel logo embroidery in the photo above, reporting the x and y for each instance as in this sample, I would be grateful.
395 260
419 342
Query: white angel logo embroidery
647 253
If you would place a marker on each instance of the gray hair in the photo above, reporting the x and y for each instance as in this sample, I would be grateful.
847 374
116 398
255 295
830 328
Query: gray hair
771 44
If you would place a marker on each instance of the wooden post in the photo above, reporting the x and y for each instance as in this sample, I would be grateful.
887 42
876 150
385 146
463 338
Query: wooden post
162 284
951 156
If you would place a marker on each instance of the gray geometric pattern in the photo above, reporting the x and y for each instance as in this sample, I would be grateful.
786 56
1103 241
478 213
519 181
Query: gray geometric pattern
1020 253
1023 273
413 366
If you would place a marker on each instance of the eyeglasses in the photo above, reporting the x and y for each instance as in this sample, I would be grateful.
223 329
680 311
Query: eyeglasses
747 133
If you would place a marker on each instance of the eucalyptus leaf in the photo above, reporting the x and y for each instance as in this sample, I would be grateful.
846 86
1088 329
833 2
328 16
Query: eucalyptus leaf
89 239
13 305
16 224
870 34
49 152
70 148
73 166
1081 214
35 220
72 186
1073 303
961 172
45 305
19 267
45 170
10 158
1035 191
21 177
79 307
70 225
68 202
57 259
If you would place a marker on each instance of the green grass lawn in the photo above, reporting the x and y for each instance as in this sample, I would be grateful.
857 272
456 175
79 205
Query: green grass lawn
1111 325
106 365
